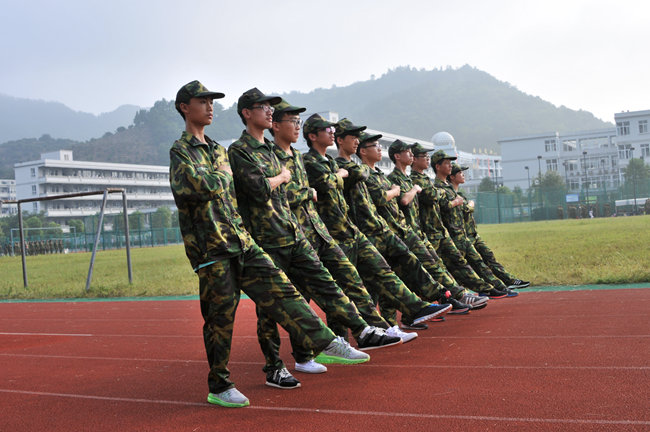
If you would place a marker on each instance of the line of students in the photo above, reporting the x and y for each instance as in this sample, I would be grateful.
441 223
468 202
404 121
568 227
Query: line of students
285 229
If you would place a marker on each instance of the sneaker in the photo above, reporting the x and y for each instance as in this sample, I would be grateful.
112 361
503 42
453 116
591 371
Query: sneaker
406 337
457 308
231 398
511 293
340 352
375 337
311 367
429 312
410 326
493 294
476 302
518 283
282 379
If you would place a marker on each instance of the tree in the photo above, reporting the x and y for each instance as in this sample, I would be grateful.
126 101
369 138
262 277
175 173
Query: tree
519 194
77 224
161 218
33 222
637 174
486 185
552 180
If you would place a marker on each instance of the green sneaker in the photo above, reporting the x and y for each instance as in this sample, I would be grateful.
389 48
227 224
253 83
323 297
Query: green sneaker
340 352
231 398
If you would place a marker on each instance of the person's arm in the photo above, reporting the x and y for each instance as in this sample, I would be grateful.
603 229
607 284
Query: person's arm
250 179
194 182
299 191
407 197
378 194
320 177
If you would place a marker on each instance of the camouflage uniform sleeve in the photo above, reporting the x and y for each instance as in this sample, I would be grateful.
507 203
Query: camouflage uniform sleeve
357 172
320 178
197 183
377 192
248 175
298 193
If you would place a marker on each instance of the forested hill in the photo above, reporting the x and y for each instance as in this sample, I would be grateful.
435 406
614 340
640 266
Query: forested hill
476 108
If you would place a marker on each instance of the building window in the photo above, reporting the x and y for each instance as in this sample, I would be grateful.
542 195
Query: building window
643 126
623 128
33 189
551 165
624 151
32 172
35 207
645 150
569 145
550 145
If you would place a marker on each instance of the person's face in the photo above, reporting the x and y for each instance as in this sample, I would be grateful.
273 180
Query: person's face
421 161
259 115
324 137
458 178
288 128
405 157
371 151
198 110
444 167
348 144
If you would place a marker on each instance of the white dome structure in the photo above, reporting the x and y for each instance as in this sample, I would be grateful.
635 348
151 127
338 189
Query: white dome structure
444 141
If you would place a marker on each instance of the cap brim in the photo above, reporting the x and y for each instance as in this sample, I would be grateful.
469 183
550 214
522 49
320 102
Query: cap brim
213 95
273 100
372 138
292 109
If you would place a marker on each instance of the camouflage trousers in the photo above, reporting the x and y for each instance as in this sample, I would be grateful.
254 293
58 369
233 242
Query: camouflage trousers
458 265
301 264
474 259
254 273
379 278
489 259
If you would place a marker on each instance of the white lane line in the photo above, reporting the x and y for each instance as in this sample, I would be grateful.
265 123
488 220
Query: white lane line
45 334
287 337
382 365
341 412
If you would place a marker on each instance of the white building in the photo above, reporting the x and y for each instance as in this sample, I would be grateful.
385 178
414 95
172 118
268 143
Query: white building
147 186
593 158
8 193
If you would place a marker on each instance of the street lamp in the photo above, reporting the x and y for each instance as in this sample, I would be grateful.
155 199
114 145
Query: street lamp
633 178
566 178
529 203
584 163
496 182
539 171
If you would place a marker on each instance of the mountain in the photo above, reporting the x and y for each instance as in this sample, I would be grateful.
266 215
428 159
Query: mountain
28 118
476 108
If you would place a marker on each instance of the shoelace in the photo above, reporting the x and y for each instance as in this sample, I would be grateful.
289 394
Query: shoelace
284 373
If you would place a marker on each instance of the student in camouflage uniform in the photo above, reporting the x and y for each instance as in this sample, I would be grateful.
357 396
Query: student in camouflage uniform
456 178
260 181
301 197
327 178
433 227
223 253
451 212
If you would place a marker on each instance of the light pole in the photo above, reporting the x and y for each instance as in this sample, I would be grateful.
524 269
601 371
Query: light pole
566 178
496 182
529 203
633 177
539 172
584 163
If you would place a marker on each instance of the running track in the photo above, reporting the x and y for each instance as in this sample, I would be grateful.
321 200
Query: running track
572 360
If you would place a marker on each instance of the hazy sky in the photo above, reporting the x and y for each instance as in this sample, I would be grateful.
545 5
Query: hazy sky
96 55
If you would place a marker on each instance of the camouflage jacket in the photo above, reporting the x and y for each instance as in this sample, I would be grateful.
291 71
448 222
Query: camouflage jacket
300 195
362 210
331 205
205 196
389 210
452 216
266 212
429 201
411 211
468 217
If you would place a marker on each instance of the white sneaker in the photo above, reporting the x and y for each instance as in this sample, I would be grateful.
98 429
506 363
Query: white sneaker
311 367
406 337
340 352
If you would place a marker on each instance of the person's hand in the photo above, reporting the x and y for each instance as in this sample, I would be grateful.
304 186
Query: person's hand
315 196
343 173
470 203
226 168
285 175
417 188
395 188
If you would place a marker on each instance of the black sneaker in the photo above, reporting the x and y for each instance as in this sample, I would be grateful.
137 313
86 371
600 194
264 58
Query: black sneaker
494 294
375 337
457 308
518 283
282 379
406 325
512 293
430 312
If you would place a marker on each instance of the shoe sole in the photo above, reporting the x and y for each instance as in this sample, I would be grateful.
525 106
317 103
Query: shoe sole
462 311
518 286
216 401
409 327
380 346
495 297
328 359
312 371
409 338
480 306
270 384
429 317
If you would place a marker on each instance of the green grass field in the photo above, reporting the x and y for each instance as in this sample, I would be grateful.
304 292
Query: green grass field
567 252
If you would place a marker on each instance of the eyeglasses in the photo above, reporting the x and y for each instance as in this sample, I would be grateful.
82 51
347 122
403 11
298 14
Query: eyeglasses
330 129
266 108
420 156
372 145
296 122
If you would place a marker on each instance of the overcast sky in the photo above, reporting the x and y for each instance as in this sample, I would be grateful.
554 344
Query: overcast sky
96 55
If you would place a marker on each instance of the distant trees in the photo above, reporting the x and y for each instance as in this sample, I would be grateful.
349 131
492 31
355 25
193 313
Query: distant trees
486 185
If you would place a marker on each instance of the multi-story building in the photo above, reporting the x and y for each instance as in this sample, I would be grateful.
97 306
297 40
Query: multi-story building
56 173
8 193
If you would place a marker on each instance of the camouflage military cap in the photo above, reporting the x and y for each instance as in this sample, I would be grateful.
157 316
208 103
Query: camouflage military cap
439 156
365 137
455 168
417 149
253 96
314 123
345 127
397 146
285 107
194 89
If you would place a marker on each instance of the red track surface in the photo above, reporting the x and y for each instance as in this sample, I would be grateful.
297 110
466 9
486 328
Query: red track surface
563 361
